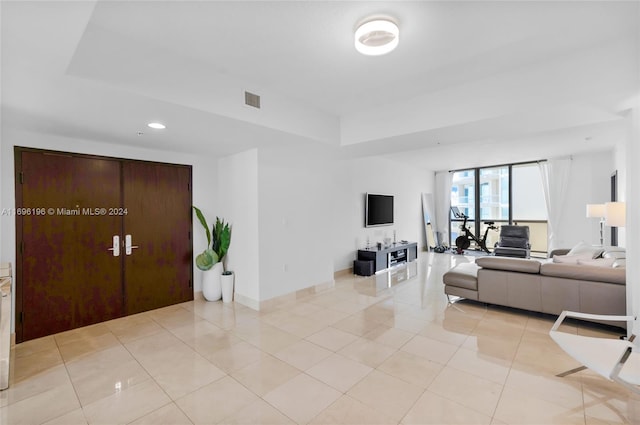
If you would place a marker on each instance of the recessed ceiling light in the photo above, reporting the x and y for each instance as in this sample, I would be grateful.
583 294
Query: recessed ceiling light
156 125
377 37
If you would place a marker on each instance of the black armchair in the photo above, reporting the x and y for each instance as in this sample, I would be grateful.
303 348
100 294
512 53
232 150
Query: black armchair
514 242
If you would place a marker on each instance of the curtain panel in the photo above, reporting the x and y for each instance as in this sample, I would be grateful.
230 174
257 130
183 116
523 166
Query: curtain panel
555 180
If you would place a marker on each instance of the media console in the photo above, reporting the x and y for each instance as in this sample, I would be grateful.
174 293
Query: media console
390 256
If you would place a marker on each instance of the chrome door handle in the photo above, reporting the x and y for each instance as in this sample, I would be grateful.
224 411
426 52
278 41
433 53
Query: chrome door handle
127 245
116 246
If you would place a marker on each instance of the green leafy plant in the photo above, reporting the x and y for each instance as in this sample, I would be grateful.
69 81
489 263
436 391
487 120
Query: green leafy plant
221 238
218 241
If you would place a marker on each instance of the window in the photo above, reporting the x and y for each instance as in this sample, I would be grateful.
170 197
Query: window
463 195
507 194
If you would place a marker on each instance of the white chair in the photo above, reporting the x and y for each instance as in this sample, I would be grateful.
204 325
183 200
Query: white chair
615 359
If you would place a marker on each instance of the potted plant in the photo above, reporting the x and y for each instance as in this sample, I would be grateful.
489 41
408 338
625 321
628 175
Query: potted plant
210 260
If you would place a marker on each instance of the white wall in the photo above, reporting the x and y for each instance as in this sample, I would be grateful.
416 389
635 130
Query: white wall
588 184
204 171
312 212
296 198
382 176
238 189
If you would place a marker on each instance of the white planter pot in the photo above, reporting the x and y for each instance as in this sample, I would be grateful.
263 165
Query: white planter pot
211 289
226 281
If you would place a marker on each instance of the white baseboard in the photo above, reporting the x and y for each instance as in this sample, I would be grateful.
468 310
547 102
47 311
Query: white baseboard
246 301
275 302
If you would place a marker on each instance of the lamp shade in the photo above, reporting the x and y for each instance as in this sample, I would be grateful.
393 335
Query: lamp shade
615 214
595 210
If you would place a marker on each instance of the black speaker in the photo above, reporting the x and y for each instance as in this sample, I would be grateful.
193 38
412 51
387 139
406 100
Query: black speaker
363 267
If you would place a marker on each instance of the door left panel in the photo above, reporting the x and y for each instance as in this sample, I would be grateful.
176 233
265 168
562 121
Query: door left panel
67 276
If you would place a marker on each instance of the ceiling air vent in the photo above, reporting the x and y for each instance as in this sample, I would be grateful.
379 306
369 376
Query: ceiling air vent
252 99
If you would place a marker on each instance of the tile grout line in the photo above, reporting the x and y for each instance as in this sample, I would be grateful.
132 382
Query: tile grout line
75 391
504 385
171 400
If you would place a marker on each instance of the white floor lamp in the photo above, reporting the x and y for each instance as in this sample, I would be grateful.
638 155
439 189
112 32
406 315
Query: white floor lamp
615 214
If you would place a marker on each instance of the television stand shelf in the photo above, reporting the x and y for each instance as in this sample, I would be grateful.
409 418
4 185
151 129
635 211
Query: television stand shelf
390 256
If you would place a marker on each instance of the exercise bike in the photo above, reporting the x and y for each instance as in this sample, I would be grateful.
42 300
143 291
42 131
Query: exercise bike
464 241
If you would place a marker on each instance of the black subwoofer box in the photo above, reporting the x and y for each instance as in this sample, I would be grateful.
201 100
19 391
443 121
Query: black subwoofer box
363 267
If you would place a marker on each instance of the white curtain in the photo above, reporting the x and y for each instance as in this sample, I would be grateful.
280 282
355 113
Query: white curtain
443 204
555 180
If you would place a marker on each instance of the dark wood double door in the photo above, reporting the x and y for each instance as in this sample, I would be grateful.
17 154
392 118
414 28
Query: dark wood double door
98 238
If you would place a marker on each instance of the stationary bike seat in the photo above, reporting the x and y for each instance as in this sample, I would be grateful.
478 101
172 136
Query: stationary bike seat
489 223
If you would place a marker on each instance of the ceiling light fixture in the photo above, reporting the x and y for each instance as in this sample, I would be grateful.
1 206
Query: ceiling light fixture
157 125
377 37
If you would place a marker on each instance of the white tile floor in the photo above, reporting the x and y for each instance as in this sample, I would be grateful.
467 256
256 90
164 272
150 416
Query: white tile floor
359 353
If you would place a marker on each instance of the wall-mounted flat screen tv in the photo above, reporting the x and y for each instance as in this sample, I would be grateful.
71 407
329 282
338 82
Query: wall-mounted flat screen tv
378 210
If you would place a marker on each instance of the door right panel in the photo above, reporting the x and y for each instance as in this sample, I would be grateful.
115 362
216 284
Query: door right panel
157 198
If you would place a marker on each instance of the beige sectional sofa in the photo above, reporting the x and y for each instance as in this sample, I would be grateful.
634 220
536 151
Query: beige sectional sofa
540 285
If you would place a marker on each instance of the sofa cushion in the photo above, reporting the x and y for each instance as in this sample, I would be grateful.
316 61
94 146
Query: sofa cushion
598 262
463 275
521 265
591 273
619 263
584 248
614 252
572 259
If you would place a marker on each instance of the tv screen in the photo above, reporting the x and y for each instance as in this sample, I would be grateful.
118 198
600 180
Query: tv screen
378 210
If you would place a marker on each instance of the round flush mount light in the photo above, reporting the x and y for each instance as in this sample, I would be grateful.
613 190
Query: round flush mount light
377 37
157 125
